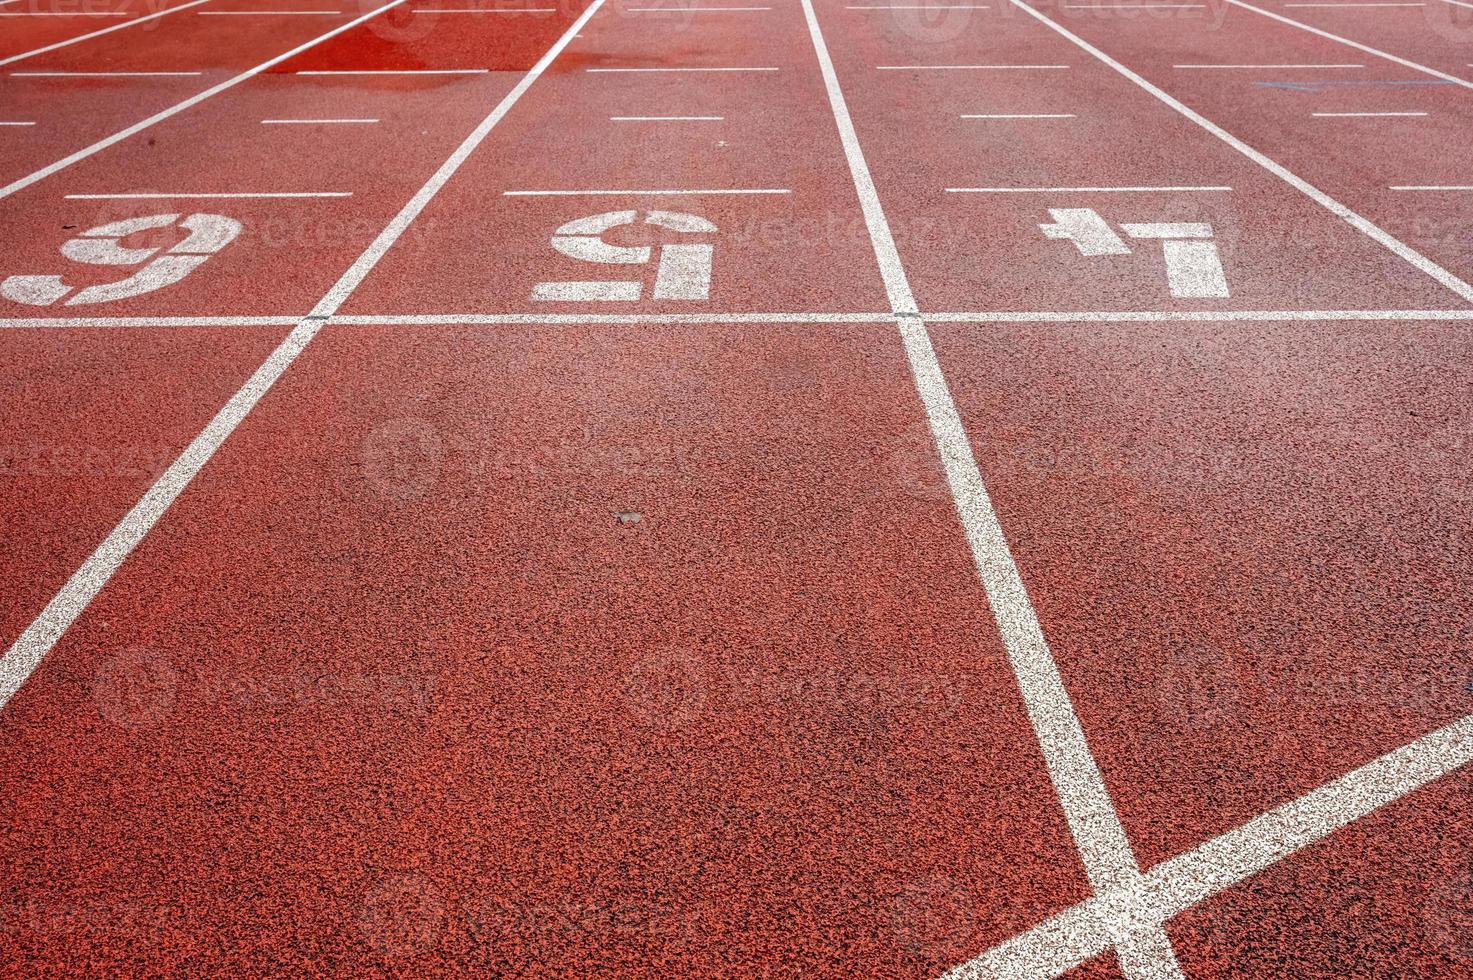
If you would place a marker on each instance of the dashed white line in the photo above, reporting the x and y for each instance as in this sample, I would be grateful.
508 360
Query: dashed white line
609 71
62 611
268 13
972 67
645 193
919 6
316 122
399 71
1331 5
98 33
1084 190
1367 49
1020 115
17 124
76 13
690 10
1136 6
1433 187
1362 115
106 74
1270 67
193 100
666 118
485 10
193 195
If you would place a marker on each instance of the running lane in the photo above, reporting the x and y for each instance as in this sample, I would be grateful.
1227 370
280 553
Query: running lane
715 115
83 93
1434 33
1386 141
28 26
324 161
1025 129
536 649
1247 546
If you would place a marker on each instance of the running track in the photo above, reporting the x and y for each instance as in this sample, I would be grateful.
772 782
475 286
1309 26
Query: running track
814 565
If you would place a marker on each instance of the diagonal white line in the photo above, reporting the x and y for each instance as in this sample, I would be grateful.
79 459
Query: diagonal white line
1363 225
1103 848
179 107
1083 931
42 634
1354 44
106 30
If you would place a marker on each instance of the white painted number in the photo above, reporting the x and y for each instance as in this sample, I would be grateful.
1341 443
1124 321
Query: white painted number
1193 269
208 233
684 271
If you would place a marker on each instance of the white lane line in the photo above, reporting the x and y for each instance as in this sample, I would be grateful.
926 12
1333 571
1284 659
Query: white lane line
1270 67
1103 848
485 10
1083 190
1433 187
1350 217
1367 49
399 71
972 67
1020 115
42 634
1194 316
609 71
975 317
134 322
106 74
919 6
206 196
77 13
690 10
268 13
1136 6
17 124
646 193
1323 5
1362 115
1077 934
98 33
316 122
179 107
666 118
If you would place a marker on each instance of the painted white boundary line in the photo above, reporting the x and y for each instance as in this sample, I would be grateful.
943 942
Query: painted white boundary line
1104 850
973 67
316 122
1269 67
647 193
400 71
90 35
1363 225
1354 44
42 634
978 317
1363 115
1019 115
616 71
188 196
1081 932
1084 190
106 74
179 107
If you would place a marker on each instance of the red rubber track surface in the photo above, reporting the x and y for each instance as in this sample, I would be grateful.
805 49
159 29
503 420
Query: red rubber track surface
521 637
